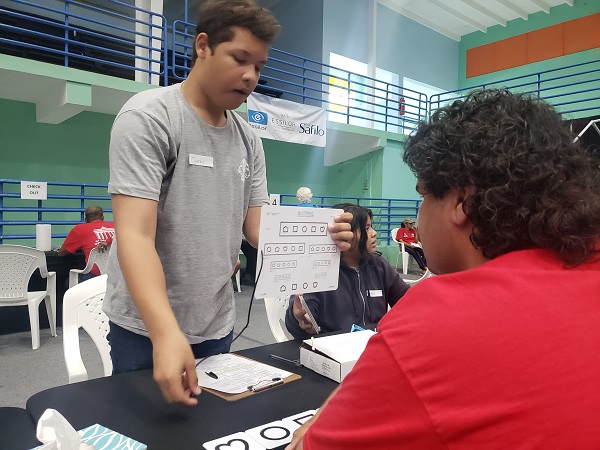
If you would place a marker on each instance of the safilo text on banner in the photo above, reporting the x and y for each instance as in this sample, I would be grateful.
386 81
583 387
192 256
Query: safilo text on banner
283 120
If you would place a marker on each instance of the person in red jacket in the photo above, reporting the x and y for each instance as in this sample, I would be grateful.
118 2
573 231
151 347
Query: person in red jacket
95 232
501 350
409 235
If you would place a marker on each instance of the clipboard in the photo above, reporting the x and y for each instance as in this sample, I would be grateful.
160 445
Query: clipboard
233 397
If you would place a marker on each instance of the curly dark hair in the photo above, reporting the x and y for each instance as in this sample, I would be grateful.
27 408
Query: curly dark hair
534 187
216 18
359 223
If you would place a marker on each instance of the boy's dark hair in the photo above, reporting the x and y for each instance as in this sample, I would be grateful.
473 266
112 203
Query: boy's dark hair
359 222
534 187
217 18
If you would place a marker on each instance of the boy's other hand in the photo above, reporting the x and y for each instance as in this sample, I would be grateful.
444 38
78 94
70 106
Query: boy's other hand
341 231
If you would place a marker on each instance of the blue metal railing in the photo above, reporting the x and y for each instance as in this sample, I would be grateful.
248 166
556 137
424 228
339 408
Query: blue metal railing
64 208
364 101
570 89
89 37
121 40
67 202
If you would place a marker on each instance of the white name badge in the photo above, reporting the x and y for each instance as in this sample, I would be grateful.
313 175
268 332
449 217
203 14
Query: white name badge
201 160
376 293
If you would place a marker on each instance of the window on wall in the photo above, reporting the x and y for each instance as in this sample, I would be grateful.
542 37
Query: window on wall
356 99
415 94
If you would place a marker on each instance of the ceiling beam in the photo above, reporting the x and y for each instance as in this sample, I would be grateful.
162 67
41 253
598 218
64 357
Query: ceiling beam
540 4
458 15
518 11
419 19
486 12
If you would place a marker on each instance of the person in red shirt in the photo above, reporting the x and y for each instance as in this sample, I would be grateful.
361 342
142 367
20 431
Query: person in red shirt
409 235
501 350
95 232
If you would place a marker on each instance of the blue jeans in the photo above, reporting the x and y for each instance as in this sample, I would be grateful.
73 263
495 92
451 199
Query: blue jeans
130 351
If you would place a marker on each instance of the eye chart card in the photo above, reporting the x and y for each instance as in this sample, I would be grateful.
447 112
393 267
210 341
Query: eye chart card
298 253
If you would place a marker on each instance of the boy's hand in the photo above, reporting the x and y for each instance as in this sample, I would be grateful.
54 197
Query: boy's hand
341 231
175 369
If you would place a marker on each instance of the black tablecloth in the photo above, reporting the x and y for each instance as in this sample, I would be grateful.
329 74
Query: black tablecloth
17 430
133 405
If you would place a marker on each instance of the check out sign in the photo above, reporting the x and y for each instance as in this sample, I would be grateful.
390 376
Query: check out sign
34 190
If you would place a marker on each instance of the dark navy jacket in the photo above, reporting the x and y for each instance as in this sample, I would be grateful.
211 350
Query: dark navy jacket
362 298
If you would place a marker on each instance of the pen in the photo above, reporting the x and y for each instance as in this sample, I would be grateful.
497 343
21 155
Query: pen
309 314
212 375
289 361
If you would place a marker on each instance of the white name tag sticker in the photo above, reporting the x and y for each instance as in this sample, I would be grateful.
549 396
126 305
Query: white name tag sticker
201 160
376 293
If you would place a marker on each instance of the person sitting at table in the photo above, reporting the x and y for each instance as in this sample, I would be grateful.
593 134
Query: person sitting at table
367 285
501 350
95 232
408 234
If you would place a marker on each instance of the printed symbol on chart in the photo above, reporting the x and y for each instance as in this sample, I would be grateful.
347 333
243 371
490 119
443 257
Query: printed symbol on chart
294 286
323 248
315 284
321 263
289 264
275 433
272 435
299 419
227 446
235 441
302 229
305 285
294 248
282 288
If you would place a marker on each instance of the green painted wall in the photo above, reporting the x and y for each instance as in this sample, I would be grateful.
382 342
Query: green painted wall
75 150
398 180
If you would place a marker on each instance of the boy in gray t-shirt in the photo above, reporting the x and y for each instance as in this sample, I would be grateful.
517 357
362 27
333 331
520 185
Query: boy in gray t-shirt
187 176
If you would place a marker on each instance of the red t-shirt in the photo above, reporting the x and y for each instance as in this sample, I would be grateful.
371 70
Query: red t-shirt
86 236
503 356
406 235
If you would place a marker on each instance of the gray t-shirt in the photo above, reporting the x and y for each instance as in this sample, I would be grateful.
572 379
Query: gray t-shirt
204 179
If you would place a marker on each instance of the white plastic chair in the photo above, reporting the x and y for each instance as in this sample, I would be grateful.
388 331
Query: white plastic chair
17 264
276 308
82 308
401 251
96 257
427 274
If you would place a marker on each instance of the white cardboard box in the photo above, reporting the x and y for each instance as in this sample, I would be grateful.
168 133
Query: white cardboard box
334 356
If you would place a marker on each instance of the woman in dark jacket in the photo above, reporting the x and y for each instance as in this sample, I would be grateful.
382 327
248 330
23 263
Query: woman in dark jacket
367 285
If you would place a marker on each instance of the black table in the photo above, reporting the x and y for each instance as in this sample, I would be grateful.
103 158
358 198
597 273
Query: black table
133 405
17 431
15 319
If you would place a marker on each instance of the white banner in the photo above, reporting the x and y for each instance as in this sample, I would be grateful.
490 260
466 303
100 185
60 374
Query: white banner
287 121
